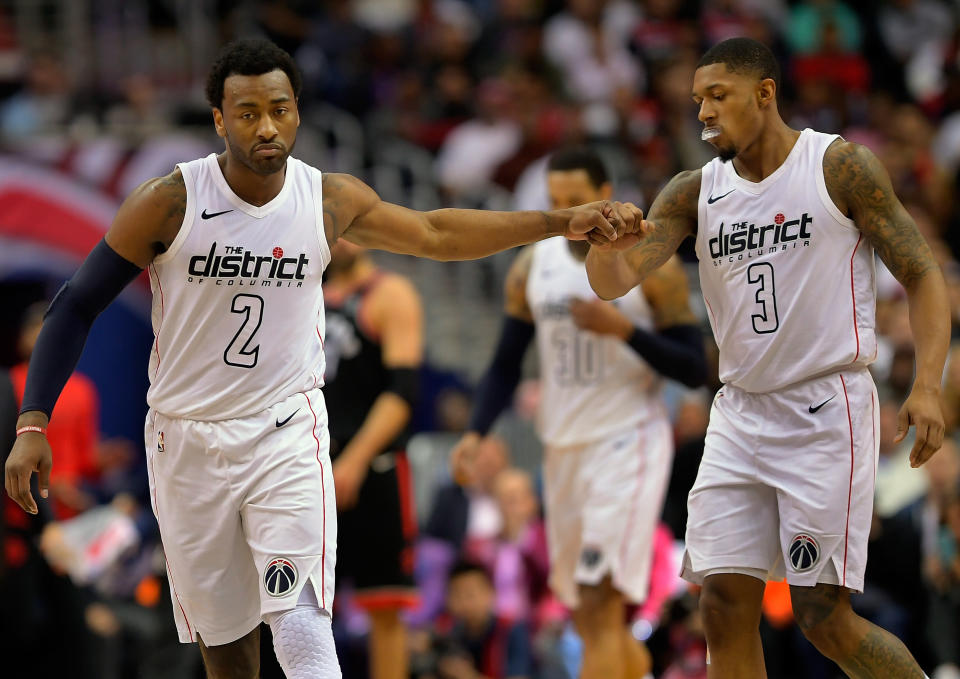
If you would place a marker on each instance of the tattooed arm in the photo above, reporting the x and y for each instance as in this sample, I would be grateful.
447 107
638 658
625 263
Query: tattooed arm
861 188
673 216
353 210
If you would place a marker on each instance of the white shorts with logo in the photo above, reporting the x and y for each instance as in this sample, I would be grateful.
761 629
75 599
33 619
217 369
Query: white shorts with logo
785 487
603 501
247 514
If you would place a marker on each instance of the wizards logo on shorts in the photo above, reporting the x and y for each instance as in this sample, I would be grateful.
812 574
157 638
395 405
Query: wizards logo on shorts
804 553
279 577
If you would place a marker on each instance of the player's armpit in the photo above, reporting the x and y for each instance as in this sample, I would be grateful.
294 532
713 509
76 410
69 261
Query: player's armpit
345 198
668 291
149 219
860 187
515 287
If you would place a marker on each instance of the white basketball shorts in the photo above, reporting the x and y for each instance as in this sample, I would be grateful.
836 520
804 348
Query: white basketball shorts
785 487
247 514
603 501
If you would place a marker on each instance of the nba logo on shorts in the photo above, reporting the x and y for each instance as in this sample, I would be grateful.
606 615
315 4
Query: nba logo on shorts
804 553
279 577
160 443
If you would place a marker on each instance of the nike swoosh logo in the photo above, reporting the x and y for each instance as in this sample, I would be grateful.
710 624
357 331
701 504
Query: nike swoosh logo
814 409
713 199
280 423
211 215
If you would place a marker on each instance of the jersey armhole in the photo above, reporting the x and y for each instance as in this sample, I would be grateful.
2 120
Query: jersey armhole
189 185
316 180
707 173
825 198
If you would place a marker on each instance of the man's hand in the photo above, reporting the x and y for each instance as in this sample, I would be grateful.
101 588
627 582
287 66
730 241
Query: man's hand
31 453
600 317
349 472
604 223
922 408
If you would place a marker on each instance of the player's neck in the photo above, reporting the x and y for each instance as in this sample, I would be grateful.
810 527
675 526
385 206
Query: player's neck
249 186
762 158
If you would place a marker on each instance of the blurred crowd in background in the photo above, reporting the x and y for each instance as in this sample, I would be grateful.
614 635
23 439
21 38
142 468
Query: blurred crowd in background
458 103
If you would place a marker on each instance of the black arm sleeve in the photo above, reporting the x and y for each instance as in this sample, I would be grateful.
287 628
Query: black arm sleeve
405 383
675 352
498 383
100 278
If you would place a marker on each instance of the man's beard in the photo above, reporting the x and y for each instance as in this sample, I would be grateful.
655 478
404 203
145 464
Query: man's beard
263 166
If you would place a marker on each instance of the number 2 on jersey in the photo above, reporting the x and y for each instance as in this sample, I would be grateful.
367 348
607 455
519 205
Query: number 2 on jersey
239 352
766 320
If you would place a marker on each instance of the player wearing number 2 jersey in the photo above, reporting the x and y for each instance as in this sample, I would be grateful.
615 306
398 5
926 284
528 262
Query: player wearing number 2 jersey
786 226
605 471
237 445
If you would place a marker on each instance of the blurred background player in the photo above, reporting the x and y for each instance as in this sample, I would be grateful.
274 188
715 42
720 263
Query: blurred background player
373 347
605 468
75 432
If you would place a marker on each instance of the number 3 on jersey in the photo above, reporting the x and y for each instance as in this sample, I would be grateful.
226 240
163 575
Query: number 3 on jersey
766 320
239 353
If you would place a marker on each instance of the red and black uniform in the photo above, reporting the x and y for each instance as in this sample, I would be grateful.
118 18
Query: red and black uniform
375 536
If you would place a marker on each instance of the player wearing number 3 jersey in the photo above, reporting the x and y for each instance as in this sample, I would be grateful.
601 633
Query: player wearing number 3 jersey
786 225
237 442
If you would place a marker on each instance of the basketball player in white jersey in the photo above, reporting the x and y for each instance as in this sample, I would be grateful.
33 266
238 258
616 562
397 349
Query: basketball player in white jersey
237 444
605 471
786 225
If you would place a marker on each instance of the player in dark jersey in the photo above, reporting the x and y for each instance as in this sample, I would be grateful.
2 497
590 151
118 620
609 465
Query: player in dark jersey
374 346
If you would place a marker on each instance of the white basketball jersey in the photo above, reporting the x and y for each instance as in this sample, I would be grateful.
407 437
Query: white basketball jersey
789 281
237 303
591 385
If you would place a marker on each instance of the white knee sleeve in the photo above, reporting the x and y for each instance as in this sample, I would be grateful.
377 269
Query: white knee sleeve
303 640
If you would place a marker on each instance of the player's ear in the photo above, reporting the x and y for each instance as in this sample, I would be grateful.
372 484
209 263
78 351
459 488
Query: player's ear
766 92
218 123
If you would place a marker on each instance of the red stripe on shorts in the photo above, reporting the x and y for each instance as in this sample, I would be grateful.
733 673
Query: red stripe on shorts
404 487
323 499
846 532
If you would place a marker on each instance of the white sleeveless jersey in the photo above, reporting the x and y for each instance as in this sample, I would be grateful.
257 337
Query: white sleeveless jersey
591 386
237 303
789 281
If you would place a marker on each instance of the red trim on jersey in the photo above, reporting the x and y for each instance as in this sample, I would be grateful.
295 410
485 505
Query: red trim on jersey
323 499
387 599
636 496
853 296
846 532
404 486
173 585
156 343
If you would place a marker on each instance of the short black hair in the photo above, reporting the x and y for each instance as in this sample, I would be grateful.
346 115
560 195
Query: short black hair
466 567
254 56
744 55
580 158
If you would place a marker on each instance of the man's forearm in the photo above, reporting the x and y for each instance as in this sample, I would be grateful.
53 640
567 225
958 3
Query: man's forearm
609 273
387 418
471 234
930 322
